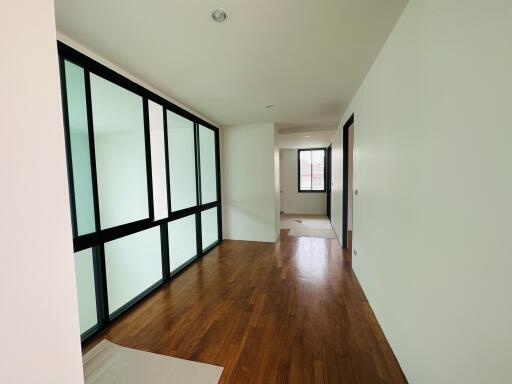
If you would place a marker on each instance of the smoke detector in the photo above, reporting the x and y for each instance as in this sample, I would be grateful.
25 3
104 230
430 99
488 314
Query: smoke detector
219 15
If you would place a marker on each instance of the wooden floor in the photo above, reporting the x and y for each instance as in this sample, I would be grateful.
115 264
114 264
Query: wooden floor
290 312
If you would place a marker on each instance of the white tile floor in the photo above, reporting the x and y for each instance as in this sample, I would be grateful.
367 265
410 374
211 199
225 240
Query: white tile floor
308 226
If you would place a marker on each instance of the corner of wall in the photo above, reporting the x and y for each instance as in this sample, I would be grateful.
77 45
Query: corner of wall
248 168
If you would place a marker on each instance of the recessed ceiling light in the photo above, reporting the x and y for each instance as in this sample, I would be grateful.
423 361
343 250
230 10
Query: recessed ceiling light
219 15
269 106
307 137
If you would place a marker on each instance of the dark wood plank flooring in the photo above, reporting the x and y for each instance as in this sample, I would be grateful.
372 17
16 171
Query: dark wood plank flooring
290 312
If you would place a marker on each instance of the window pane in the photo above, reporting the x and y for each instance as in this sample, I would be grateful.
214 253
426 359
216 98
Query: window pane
120 153
182 166
210 232
318 170
208 166
79 140
84 274
182 241
305 170
156 128
133 264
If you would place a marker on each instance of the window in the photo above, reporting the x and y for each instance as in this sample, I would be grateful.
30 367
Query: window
311 170
208 165
210 230
133 264
182 242
182 161
119 141
158 160
79 149
86 291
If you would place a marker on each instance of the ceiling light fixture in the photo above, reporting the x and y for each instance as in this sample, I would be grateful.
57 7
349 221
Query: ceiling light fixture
307 137
219 15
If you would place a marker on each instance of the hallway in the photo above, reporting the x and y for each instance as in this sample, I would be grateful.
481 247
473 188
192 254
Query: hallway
290 312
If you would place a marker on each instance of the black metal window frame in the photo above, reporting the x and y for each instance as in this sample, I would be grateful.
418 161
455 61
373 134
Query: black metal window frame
299 189
97 239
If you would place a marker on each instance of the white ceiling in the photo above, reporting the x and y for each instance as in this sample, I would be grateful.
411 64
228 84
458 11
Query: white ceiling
299 140
305 57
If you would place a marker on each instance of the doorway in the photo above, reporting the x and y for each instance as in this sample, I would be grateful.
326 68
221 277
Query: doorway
328 179
348 190
304 174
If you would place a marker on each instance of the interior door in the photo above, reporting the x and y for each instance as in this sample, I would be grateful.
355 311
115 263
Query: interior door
328 180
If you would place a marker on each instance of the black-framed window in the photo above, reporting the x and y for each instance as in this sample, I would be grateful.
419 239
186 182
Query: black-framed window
311 170
144 184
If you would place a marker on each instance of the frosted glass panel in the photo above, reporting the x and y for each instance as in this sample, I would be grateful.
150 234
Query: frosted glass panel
182 168
79 140
156 131
210 231
182 241
120 153
208 166
133 264
84 273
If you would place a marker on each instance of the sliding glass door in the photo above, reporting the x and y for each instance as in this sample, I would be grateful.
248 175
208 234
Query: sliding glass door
144 187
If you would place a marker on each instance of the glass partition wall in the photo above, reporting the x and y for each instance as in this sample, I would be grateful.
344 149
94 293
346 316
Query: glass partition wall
144 187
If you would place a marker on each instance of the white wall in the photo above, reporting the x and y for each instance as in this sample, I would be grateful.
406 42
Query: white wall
249 191
293 201
337 182
41 337
433 170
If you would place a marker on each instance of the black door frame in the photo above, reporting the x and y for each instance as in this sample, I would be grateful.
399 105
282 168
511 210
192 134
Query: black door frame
328 180
344 237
